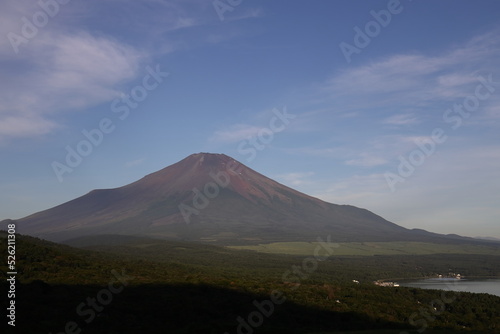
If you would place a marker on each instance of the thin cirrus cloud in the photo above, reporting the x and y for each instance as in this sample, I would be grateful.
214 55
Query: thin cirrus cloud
405 78
404 98
25 126
66 67
296 179
62 72
467 169
394 95
402 92
235 133
367 160
401 119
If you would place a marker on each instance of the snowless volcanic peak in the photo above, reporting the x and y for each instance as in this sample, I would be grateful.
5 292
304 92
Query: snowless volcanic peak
203 170
185 174
210 197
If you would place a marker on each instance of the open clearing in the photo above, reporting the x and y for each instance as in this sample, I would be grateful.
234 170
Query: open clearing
374 248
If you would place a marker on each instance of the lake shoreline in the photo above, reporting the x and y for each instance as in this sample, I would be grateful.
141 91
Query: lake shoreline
488 285
434 277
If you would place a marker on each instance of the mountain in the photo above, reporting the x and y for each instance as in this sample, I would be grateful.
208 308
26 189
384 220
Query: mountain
212 198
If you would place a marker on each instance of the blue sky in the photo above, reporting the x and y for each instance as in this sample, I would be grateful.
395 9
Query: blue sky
404 123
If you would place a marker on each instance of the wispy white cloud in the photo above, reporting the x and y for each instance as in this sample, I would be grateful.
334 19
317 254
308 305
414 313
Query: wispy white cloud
67 67
295 179
415 79
454 79
165 16
356 190
401 119
367 160
400 99
60 73
452 188
25 126
258 121
235 133
56 70
399 73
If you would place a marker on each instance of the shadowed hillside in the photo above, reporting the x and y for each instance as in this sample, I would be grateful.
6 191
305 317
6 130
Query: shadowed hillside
179 287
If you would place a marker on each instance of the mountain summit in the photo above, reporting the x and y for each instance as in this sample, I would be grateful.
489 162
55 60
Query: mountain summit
212 198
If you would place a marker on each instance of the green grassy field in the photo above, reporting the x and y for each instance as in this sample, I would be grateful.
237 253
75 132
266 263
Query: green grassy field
183 288
374 248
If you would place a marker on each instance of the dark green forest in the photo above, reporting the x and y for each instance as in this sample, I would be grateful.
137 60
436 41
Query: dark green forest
153 286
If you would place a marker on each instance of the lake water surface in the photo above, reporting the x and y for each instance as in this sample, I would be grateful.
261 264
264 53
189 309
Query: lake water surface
491 286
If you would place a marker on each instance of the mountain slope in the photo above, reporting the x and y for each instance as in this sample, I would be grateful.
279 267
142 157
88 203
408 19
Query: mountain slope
211 197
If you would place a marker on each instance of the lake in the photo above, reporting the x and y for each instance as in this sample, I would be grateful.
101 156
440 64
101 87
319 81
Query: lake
491 286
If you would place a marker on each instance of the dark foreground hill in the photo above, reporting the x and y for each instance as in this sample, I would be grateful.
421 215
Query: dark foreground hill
171 288
213 198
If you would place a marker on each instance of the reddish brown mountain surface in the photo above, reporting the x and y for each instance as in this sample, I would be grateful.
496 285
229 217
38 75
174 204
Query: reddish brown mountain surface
213 198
